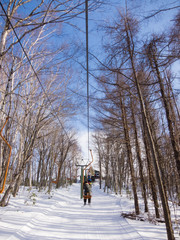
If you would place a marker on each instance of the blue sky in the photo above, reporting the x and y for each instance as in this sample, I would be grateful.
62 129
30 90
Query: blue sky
105 14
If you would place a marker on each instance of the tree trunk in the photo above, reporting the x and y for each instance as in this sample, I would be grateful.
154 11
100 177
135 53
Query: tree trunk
59 175
152 178
107 183
171 122
138 152
100 168
129 153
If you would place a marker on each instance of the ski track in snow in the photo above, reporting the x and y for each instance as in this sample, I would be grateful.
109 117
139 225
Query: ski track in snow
64 217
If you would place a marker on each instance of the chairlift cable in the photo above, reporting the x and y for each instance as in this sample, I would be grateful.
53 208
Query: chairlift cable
87 69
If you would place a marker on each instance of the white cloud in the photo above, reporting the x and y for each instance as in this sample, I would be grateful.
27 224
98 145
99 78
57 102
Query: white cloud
83 141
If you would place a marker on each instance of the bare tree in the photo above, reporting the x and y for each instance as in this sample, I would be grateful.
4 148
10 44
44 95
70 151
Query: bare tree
122 59
171 118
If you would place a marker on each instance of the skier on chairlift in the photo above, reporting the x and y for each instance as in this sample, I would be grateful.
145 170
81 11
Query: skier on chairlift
87 192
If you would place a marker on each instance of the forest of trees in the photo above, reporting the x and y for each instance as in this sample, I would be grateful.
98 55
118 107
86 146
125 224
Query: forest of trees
34 95
137 116
138 140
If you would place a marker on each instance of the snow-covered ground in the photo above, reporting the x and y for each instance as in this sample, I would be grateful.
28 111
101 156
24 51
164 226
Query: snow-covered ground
61 215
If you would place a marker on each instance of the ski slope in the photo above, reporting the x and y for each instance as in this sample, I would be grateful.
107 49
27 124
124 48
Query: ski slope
35 215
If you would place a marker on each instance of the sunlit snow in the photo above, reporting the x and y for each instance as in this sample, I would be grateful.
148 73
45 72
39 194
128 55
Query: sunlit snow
61 215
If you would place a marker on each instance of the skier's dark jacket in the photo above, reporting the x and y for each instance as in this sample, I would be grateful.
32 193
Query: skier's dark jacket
86 188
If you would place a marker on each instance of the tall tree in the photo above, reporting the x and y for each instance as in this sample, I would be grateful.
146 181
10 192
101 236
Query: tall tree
122 57
153 55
